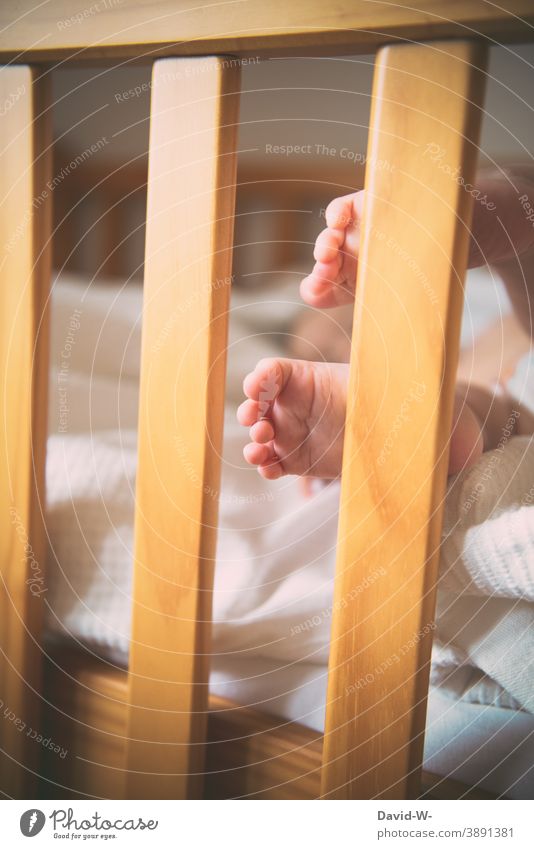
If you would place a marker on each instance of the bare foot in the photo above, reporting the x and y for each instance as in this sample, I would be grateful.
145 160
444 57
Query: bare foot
500 231
296 415
333 278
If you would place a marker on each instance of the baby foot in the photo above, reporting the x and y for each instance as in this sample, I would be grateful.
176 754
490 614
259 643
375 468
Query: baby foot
333 278
500 231
296 415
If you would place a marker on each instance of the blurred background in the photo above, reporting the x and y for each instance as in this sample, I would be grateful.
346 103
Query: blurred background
318 106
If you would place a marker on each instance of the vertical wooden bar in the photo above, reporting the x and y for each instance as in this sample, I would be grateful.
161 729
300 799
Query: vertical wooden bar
423 135
191 192
25 221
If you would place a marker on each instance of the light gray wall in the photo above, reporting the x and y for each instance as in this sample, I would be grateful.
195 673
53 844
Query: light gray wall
319 104
313 101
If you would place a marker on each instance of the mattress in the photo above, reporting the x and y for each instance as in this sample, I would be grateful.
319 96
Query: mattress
276 546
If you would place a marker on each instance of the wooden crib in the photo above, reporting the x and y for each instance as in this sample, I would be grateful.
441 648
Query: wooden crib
153 732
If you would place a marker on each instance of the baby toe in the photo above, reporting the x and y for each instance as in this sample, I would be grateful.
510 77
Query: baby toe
272 471
340 213
247 413
255 383
266 382
327 245
262 431
259 455
322 277
318 292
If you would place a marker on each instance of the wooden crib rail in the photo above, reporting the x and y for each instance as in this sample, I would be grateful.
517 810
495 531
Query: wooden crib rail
190 217
56 30
405 345
25 218
425 121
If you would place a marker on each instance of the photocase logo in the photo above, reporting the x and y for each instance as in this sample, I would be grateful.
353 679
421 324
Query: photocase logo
32 822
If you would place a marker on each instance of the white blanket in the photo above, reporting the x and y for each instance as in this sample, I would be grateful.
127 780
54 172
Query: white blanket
275 565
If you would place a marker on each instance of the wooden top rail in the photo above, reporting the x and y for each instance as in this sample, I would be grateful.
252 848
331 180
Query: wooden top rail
104 29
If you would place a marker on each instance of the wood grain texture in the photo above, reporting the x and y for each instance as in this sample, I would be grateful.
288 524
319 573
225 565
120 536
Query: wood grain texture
249 753
252 755
86 715
129 28
426 98
190 216
24 288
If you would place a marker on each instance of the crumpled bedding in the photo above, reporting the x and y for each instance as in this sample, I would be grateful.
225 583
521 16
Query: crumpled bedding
275 565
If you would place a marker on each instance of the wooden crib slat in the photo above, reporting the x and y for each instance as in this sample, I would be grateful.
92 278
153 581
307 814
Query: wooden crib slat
191 191
24 288
424 128
57 28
